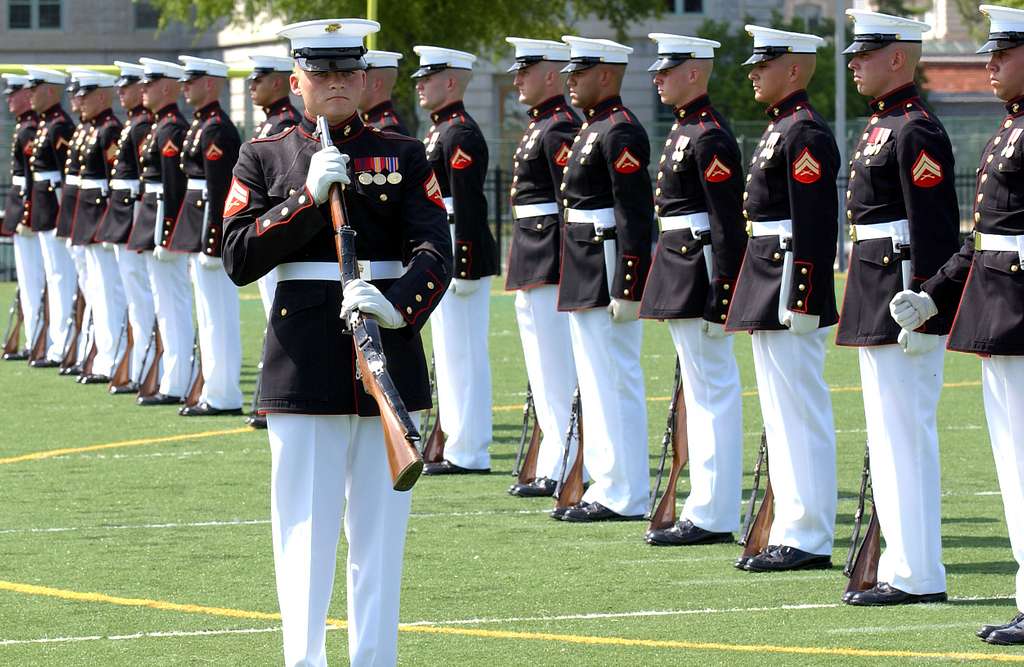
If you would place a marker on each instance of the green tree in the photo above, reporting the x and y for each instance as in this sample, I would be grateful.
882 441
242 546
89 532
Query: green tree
976 22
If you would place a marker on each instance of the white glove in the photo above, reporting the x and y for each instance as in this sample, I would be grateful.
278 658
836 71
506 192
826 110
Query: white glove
799 323
911 309
25 230
914 343
713 330
464 287
361 295
209 263
623 310
107 245
68 244
329 165
162 254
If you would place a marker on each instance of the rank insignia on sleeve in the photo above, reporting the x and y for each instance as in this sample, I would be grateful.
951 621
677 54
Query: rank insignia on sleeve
926 172
433 190
111 153
460 159
626 163
27 150
562 156
214 153
806 169
717 171
61 141
238 198
169 149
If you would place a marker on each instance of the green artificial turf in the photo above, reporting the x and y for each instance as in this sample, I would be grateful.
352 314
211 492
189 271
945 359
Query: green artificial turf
185 522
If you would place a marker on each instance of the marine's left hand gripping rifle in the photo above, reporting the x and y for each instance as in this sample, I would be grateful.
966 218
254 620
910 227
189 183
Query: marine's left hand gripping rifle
400 434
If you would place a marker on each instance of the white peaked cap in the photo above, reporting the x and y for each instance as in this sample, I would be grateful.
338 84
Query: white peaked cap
378 59
15 82
89 80
329 45
586 52
1006 28
872 30
130 73
770 43
676 49
155 69
39 75
197 67
435 58
530 51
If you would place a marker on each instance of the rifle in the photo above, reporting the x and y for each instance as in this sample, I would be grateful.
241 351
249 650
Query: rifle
862 566
664 516
400 434
526 469
195 391
38 351
12 338
757 528
90 347
69 355
251 420
122 372
569 490
149 379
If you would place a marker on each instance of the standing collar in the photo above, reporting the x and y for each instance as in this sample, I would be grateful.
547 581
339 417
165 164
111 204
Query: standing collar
26 116
894 98
446 112
547 106
1015 107
379 110
283 104
788 104
607 105
140 110
207 110
169 110
56 111
346 130
690 108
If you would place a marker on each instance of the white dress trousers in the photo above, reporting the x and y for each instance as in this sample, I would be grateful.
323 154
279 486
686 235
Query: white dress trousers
797 411
220 335
547 351
459 329
109 306
28 262
172 303
611 382
135 280
61 281
324 468
1004 412
714 426
87 335
901 395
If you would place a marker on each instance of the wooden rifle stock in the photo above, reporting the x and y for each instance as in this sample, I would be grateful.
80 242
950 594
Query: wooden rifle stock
122 373
526 468
149 382
38 351
664 515
570 487
756 531
400 434
70 356
14 322
862 565
195 392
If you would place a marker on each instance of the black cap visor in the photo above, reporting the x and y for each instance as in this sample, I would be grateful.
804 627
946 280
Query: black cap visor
330 60
1001 41
668 61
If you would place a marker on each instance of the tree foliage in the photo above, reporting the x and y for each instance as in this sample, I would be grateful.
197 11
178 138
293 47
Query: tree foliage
975 21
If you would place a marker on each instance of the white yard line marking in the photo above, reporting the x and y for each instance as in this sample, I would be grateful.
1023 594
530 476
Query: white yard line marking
143 635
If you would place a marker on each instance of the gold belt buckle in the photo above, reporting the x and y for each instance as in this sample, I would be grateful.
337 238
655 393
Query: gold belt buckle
977 240
853 233
363 266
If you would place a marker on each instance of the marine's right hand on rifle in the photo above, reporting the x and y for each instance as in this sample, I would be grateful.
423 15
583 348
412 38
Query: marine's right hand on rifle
328 166
367 299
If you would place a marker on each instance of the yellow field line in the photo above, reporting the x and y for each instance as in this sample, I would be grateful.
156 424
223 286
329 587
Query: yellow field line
753 392
63 594
50 453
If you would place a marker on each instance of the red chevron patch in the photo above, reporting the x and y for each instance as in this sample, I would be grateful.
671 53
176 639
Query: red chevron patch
926 172
433 190
169 149
238 198
717 171
806 169
214 153
626 163
562 156
460 159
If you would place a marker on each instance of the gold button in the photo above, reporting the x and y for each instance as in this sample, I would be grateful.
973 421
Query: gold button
853 174
408 310
465 248
99 199
1008 123
849 214
284 211
989 158
722 317
629 262
629 276
980 195
462 274
848 193
777 256
799 304
801 287
1014 268
540 225
199 204
977 216
725 302
657 191
291 191
430 285
803 270
383 197
984 177
726 287
683 250
302 199
885 260
419 298
464 260
565 202
284 311
625 292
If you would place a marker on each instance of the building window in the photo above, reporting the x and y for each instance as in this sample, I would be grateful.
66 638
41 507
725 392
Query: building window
147 17
35 14
810 13
684 6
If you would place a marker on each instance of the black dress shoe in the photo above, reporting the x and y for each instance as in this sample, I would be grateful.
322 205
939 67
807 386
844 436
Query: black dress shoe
847 595
883 595
986 630
741 562
21 355
559 512
256 421
44 363
93 378
204 409
593 512
126 388
446 467
683 533
72 371
1007 636
541 487
787 558
159 399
